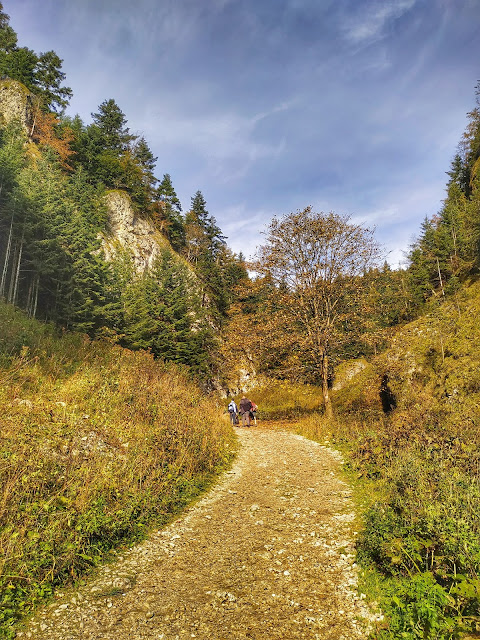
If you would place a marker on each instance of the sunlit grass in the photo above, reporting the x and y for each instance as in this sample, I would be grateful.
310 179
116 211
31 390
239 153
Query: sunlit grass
97 444
283 399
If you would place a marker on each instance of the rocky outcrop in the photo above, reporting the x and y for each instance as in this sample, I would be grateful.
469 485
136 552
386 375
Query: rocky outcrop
346 371
15 103
130 232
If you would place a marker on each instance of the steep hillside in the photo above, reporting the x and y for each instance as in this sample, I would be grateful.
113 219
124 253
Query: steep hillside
86 239
97 444
408 422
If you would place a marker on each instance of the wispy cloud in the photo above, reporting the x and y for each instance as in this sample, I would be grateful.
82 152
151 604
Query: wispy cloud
370 21
227 142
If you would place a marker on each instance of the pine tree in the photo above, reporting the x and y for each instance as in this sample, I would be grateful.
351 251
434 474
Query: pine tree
205 249
112 125
48 79
163 313
41 74
139 166
171 210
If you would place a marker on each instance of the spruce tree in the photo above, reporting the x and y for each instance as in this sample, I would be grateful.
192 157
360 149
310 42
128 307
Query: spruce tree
48 80
41 74
205 249
112 125
172 211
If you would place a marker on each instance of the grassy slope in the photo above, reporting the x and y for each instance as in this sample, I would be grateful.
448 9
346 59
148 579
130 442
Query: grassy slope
96 444
280 399
419 469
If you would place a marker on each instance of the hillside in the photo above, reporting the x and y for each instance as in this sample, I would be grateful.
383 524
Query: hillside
408 423
92 240
97 444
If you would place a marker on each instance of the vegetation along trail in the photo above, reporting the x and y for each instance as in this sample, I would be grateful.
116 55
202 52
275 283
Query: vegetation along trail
266 554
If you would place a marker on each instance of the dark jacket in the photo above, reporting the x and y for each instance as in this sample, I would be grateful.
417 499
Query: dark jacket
245 405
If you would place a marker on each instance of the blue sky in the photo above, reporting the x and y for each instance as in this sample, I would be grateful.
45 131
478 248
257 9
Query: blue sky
267 106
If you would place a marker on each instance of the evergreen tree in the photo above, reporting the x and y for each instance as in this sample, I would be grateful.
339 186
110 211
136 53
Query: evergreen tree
41 74
139 168
48 80
112 125
448 249
19 64
205 249
163 313
171 210
8 37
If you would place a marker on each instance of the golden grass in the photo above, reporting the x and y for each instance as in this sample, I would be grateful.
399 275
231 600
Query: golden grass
97 443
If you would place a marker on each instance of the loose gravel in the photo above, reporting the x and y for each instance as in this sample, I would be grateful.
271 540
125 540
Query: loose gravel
266 554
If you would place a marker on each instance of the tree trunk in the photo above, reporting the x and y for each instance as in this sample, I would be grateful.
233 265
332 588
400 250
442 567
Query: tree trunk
325 392
13 272
28 306
37 286
17 274
3 282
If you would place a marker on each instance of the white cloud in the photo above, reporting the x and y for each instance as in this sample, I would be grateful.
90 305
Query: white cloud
226 141
369 24
244 228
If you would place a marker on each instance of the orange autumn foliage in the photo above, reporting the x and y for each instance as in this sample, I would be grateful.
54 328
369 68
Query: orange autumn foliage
47 133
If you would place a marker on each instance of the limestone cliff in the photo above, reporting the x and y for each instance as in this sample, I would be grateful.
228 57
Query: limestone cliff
16 103
128 231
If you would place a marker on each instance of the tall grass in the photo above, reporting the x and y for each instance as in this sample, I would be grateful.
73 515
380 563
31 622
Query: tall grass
97 444
417 470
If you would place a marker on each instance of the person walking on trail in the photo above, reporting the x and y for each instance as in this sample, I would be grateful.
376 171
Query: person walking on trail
245 408
233 411
253 413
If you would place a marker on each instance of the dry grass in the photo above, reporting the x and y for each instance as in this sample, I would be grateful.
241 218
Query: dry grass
281 399
97 443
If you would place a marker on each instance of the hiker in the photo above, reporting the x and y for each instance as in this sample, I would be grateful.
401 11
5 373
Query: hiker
233 411
245 408
253 412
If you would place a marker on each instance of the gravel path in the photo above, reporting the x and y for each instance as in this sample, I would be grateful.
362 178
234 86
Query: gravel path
266 554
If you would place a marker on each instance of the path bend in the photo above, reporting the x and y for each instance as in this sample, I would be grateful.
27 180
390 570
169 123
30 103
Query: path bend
267 554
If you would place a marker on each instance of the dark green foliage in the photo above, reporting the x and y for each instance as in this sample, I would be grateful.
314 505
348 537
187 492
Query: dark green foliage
48 82
41 74
206 250
112 126
19 64
448 249
8 37
113 157
49 248
163 313
171 211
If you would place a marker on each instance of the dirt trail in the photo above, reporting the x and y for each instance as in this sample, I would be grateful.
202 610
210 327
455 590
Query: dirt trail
267 554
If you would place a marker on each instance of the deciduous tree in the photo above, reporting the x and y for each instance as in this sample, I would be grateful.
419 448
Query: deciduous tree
316 261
